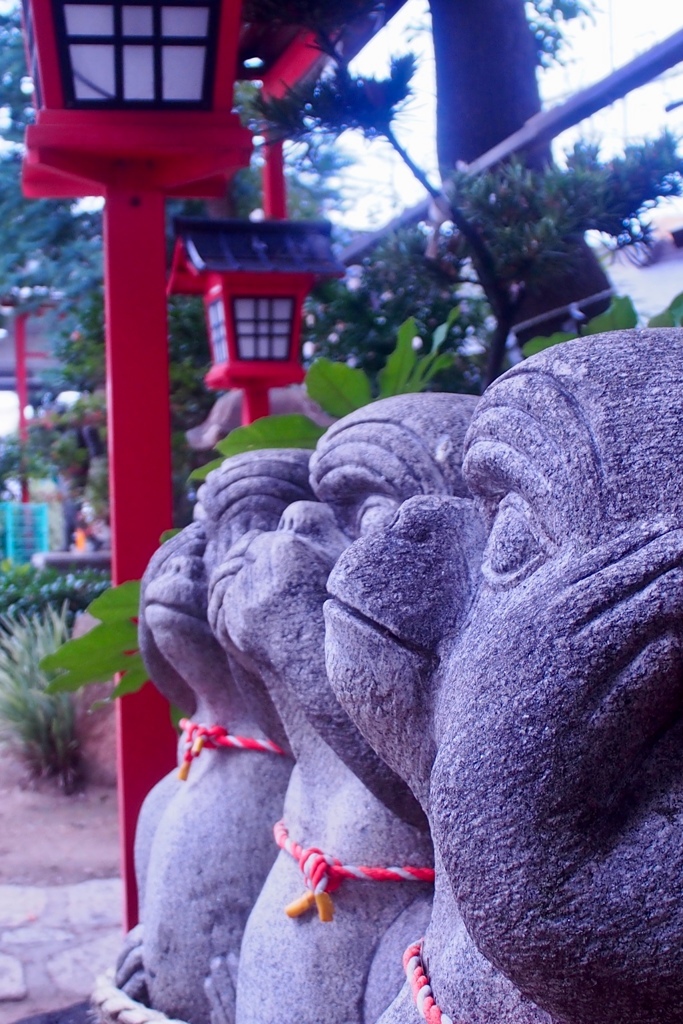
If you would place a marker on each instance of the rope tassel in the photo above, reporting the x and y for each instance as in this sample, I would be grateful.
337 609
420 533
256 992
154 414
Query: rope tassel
197 737
324 874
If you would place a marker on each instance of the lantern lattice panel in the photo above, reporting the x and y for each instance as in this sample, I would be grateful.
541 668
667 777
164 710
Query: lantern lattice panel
153 54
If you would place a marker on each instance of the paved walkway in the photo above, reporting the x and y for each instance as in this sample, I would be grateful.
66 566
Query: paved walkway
54 941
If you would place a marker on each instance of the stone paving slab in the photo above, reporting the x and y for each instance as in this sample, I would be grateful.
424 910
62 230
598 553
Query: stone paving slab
54 942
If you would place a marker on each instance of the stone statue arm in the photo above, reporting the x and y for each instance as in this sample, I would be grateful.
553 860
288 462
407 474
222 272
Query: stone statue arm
267 605
557 792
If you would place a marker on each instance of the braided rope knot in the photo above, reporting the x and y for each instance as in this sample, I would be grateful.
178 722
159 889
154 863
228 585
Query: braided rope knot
324 874
213 737
420 987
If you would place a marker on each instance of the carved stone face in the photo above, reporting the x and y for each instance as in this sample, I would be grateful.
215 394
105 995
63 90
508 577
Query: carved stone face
554 703
399 593
267 597
175 640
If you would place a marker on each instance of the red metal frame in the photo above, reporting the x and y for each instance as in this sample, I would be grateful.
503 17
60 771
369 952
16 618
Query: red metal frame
85 152
297 61
52 94
134 159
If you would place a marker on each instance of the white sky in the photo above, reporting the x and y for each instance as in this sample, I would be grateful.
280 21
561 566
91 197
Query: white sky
618 31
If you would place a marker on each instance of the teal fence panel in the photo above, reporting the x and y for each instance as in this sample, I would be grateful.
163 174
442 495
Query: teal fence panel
25 530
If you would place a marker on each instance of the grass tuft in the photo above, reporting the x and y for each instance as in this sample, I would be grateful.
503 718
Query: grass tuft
38 727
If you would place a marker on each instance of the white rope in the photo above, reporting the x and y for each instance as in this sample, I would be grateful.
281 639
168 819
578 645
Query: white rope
113 1006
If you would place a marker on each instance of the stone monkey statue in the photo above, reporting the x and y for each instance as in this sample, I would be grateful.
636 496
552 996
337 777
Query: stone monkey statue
204 846
266 610
540 718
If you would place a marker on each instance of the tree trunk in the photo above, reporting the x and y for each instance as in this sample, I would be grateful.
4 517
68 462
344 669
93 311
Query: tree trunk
486 89
485 75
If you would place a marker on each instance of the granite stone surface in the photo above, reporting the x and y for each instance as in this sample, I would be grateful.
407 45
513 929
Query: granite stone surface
533 701
204 846
265 608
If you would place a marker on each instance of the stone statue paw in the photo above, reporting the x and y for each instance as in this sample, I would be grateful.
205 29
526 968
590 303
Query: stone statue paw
220 989
130 968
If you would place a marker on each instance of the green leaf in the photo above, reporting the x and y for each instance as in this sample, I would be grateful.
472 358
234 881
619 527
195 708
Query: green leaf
672 316
428 368
110 647
537 344
132 680
95 657
663 319
291 431
441 332
167 534
400 364
117 603
203 471
619 317
337 388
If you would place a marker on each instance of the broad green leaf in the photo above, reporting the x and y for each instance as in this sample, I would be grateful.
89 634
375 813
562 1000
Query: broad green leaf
337 388
121 602
619 317
95 657
291 431
396 372
672 316
428 368
111 647
663 319
441 332
132 680
535 345
203 471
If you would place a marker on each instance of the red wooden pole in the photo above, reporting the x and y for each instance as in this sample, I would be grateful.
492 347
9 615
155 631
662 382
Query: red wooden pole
255 404
274 184
255 400
22 395
139 470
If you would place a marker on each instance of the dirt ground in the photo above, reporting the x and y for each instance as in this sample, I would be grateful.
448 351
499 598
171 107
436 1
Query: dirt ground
47 838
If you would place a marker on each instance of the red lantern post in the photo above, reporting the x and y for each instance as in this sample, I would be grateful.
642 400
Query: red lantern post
134 104
254 278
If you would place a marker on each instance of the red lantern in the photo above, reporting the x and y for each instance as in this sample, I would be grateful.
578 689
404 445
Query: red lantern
254 278
133 93
134 103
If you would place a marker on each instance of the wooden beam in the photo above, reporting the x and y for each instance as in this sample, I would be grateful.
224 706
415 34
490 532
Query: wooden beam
545 126
549 123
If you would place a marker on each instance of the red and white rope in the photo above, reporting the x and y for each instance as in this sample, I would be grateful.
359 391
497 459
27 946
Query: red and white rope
420 987
213 737
324 874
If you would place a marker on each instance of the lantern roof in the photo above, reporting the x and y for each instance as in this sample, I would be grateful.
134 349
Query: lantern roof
281 246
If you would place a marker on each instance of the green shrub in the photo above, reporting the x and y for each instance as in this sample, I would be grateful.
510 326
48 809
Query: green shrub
25 590
38 727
